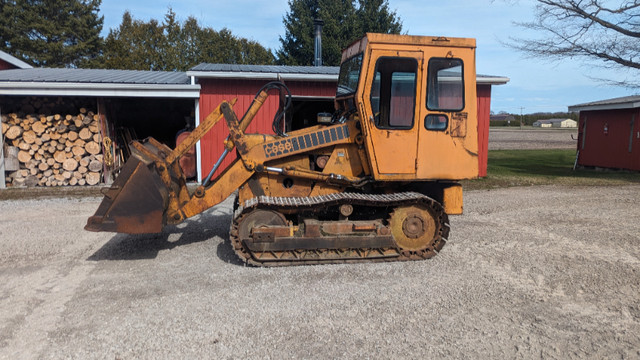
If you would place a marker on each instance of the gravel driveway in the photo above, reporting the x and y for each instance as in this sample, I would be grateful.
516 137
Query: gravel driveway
551 272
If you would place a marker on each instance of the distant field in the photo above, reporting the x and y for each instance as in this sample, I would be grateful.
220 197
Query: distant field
531 138
544 167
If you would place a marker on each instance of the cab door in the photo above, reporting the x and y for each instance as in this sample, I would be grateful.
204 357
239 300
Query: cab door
390 112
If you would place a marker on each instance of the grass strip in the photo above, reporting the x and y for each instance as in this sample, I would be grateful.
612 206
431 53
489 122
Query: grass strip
508 168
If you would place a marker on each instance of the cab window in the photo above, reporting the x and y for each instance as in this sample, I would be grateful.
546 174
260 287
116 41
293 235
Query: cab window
445 85
393 92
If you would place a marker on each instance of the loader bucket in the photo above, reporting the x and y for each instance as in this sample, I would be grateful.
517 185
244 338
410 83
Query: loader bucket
134 204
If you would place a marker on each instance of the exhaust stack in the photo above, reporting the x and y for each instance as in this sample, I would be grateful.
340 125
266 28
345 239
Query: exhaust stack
317 24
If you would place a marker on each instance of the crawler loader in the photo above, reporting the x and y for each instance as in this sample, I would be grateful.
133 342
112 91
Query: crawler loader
373 181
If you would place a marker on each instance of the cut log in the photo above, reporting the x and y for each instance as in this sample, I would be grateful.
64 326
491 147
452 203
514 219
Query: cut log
38 127
13 132
51 161
24 146
97 138
60 156
72 135
45 137
43 166
78 150
92 147
85 134
29 136
67 175
5 127
95 166
73 181
70 164
82 170
23 156
92 178
85 161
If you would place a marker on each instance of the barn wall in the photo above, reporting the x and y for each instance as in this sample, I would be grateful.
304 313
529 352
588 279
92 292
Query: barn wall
6 66
610 148
484 114
213 92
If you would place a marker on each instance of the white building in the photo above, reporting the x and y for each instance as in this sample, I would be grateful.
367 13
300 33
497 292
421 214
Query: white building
556 123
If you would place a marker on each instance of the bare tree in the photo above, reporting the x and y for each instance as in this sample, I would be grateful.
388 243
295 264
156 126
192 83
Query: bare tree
603 32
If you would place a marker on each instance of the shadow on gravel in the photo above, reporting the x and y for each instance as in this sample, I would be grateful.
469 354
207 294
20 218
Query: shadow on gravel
207 225
226 253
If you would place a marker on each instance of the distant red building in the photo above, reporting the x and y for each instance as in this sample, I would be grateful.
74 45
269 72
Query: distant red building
313 90
609 133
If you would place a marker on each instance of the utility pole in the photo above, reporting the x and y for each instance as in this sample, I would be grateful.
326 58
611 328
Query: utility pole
521 118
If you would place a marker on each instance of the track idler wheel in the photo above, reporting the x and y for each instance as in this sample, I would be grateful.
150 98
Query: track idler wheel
254 219
416 231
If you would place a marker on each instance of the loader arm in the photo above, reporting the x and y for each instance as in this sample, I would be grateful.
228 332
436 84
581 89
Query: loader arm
151 191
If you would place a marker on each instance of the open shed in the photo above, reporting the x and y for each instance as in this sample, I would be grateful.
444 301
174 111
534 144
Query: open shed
609 133
313 90
123 105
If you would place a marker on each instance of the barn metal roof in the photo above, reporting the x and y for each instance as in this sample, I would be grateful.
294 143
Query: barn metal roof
301 73
265 72
14 61
97 82
626 102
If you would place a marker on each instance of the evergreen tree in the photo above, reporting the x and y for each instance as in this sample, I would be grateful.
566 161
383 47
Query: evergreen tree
51 33
175 46
344 22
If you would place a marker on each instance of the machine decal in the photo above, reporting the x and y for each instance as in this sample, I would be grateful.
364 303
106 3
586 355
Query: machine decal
302 142
459 124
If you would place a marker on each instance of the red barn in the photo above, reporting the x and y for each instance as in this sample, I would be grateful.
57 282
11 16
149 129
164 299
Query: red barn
312 89
609 133
8 62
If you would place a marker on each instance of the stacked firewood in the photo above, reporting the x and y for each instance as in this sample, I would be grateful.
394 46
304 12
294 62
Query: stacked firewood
54 150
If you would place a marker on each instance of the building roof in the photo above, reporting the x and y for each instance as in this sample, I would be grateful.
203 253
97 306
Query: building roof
97 82
626 102
14 61
552 121
293 73
265 72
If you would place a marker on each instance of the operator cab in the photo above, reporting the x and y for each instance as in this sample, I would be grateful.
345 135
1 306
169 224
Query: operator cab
415 99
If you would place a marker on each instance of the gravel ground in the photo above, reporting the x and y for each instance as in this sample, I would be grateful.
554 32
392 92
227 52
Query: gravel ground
528 138
544 272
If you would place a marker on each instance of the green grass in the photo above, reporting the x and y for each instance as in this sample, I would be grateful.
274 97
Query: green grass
544 167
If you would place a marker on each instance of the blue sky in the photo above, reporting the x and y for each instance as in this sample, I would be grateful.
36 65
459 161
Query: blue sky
535 86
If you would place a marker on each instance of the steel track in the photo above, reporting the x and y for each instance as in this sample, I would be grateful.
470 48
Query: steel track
320 204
